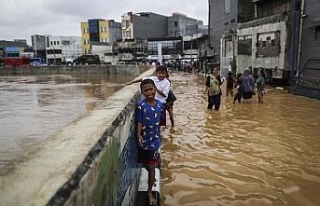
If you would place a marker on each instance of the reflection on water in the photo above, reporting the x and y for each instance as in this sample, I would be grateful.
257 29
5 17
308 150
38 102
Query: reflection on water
250 154
34 107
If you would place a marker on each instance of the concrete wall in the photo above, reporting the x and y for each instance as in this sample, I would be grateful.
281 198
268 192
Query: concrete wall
270 62
220 21
310 44
92 161
106 69
309 52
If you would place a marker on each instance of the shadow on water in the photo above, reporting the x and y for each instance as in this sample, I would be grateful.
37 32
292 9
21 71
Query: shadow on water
35 107
249 154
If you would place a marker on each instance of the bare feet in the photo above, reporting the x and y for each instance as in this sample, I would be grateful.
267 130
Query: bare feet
151 199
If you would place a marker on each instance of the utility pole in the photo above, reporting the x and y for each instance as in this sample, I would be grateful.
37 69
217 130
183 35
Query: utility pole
293 43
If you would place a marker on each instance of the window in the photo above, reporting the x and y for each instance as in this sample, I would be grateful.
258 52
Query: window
245 45
84 30
57 42
268 44
264 43
227 6
48 42
286 7
175 23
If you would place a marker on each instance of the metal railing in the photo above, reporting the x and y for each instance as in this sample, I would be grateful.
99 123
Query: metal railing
309 76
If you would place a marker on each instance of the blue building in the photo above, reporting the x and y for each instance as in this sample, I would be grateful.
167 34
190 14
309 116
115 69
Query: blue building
12 48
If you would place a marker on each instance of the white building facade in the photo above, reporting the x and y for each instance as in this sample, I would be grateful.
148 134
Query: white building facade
62 49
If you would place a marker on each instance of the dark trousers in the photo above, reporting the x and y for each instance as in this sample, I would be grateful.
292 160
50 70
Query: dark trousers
214 100
237 97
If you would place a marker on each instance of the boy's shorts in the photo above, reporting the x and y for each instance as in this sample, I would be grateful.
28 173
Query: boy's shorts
148 157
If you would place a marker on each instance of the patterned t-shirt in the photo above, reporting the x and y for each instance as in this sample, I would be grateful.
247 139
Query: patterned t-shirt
149 117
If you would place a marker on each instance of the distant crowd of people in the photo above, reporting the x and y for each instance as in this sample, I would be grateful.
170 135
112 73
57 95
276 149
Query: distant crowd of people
244 84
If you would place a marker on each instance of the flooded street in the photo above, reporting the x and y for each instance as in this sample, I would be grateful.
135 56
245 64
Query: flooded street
248 154
34 107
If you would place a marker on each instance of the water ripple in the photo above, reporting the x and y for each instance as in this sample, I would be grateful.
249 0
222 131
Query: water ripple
243 154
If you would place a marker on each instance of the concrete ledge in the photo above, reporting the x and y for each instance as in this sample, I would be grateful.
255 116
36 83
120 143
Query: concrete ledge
76 165
63 69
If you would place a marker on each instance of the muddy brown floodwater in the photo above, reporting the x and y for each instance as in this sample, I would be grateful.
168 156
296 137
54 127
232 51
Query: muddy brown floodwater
34 107
249 154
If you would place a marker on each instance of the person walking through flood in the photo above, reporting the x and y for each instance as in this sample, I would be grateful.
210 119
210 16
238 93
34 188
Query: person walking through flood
261 85
170 100
230 84
213 90
239 93
247 81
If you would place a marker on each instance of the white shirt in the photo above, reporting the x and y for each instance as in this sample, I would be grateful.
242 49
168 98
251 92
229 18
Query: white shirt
163 85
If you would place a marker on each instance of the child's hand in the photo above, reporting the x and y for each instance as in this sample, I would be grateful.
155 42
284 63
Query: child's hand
140 140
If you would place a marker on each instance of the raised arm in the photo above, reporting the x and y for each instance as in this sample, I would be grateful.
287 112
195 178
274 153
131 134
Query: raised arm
134 81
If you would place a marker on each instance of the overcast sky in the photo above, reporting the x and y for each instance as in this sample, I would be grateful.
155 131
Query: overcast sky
19 19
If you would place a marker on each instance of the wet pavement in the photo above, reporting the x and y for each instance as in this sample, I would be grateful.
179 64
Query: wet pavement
248 154
32 108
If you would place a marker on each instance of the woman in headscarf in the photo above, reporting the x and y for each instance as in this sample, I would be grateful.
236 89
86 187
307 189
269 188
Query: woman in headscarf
213 90
248 85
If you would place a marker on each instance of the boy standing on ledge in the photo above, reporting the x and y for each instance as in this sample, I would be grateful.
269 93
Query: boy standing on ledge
148 114
162 88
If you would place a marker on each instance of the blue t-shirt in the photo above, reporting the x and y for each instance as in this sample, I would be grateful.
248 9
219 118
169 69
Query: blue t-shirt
149 117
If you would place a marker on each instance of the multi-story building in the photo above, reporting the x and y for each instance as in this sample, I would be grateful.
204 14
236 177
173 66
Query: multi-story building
167 31
309 33
251 33
131 50
99 30
222 31
181 25
171 48
62 49
264 41
39 45
144 25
